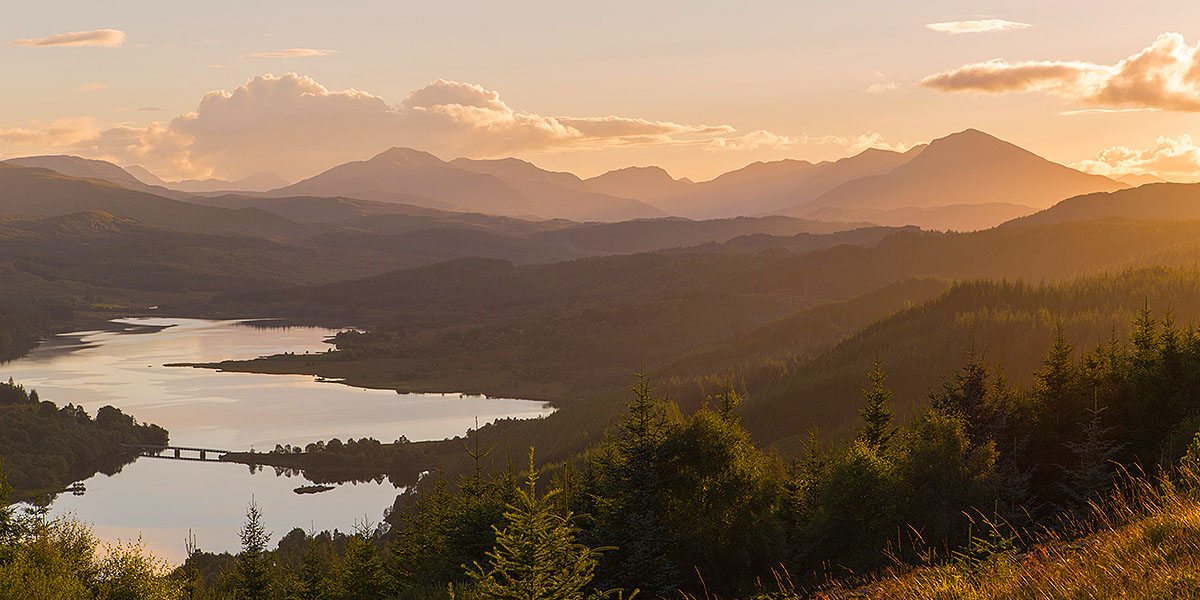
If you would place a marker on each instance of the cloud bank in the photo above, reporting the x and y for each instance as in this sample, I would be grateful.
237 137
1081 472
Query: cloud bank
1172 158
981 26
110 38
1164 76
296 127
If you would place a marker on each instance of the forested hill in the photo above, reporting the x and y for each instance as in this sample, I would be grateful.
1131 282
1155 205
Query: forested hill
45 448
1160 201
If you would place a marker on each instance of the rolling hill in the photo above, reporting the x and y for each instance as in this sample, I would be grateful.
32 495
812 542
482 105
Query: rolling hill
37 191
1150 201
85 168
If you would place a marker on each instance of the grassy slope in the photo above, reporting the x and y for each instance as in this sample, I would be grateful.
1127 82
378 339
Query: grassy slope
1143 542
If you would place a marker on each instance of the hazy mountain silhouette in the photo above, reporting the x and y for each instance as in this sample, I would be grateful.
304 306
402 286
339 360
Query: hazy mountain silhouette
769 187
968 167
1140 179
258 182
648 235
1154 201
85 168
38 191
648 184
557 194
956 217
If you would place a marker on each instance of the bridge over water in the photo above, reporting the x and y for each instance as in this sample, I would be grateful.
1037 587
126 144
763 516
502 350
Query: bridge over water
180 452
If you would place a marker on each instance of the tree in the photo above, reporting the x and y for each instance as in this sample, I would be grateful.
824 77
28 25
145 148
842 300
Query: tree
877 418
312 580
630 485
536 555
362 575
255 575
1093 471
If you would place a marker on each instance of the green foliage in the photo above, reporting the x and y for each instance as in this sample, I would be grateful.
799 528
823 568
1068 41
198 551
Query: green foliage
877 418
255 579
45 448
536 556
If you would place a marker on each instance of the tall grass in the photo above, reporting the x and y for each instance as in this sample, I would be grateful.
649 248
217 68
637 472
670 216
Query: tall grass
1141 541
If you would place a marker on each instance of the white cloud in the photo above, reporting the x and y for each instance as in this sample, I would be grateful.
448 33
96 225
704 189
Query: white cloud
90 87
296 127
56 134
290 53
1164 75
980 26
765 140
1175 158
882 88
110 38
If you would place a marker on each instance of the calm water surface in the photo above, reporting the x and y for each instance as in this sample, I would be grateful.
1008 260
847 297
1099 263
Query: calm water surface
160 500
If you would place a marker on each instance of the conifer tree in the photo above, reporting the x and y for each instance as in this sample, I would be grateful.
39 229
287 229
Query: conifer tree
362 576
1092 472
312 580
536 555
255 576
877 428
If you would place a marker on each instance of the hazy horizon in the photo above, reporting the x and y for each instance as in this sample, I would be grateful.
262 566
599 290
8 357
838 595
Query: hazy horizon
696 90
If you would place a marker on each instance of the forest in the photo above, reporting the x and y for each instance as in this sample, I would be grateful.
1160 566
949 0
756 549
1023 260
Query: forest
675 505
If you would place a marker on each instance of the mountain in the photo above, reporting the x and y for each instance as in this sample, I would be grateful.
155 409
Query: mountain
144 175
258 182
559 195
969 167
1154 201
955 217
1140 179
39 191
770 187
648 184
84 168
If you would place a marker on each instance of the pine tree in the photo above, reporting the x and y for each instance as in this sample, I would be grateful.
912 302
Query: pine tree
255 575
1092 473
312 584
362 576
536 556
877 428
631 518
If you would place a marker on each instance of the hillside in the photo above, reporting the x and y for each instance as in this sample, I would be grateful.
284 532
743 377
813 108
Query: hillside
955 217
968 167
83 168
35 191
1150 201
648 184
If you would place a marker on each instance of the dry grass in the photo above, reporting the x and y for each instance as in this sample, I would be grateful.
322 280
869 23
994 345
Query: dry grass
1142 542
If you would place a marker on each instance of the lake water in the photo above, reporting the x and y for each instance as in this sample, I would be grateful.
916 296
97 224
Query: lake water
161 500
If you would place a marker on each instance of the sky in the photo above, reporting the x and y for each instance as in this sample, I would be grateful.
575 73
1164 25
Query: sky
698 88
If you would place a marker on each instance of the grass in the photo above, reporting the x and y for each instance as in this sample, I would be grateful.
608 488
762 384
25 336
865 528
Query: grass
1143 541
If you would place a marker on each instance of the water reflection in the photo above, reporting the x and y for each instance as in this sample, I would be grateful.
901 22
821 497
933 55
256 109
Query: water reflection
163 499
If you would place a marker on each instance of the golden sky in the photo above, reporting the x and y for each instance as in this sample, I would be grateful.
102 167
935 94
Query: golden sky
698 88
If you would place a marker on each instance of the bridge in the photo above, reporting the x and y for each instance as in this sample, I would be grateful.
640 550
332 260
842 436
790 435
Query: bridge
180 452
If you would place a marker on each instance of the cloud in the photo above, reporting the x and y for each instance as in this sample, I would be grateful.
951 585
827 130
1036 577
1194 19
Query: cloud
981 26
90 87
1164 76
882 88
765 140
56 134
296 127
149 109
110 38
290 53
1175 158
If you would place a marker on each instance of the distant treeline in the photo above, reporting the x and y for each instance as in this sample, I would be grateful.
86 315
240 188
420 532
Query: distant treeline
44 448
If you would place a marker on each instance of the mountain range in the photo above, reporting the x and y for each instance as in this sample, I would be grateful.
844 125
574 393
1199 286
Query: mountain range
964 181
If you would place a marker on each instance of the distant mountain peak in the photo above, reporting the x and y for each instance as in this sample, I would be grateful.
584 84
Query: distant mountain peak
408 157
